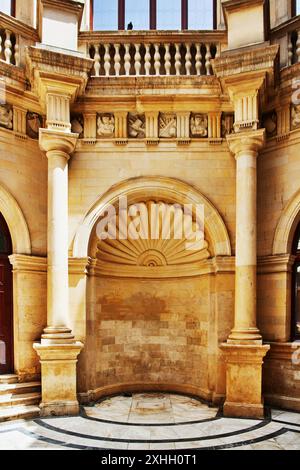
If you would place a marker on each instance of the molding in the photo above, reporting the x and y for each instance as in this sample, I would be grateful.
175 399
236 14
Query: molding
275 264
107 390
79 266
28 264
282 351
214 266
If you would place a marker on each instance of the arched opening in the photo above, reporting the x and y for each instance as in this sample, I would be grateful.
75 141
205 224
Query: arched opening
6 300
295 323
150 321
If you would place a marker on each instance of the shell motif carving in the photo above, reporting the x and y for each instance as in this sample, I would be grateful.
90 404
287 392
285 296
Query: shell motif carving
155 238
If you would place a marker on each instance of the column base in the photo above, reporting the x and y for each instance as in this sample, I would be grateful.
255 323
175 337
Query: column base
59 409
243 410
57 335
244 380
59 389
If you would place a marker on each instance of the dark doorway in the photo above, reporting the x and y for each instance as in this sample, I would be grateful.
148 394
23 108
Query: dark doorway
6 303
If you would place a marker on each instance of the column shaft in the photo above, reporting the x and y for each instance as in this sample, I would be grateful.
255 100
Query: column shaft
57 300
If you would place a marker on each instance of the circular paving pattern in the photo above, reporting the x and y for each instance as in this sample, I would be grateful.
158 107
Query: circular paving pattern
153 421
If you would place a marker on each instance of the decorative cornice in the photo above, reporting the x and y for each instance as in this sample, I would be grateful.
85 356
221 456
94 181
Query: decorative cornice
51 69
242 61
28 264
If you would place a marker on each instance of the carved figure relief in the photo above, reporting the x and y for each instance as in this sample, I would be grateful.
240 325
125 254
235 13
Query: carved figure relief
227 124
167 125
106 125
33 124
199 125
6 116
137 126
269 122
295 116
77 125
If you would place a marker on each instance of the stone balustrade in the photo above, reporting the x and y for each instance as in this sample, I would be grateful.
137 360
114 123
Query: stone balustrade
287 36
152 53
14 37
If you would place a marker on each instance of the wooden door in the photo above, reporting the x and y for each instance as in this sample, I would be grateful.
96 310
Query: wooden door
6 306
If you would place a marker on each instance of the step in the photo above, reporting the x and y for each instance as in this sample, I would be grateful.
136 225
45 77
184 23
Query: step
18 388
19 412
9 379
20 399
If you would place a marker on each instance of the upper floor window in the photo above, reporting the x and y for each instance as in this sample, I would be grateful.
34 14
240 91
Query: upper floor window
7 7
152 14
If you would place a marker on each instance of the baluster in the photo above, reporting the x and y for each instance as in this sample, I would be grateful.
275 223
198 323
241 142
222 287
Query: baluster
207 60
117 65
218 49
17 54
290 50
147 59
157 59
137 60
167 59
97 60
198 59
8 46
188 57
177 59
127 59
107 59
298 46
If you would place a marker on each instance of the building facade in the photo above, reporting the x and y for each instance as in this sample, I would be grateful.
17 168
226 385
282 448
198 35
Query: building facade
197 118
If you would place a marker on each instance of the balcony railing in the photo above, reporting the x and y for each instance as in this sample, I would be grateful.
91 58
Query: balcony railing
159 53
287 35
14 36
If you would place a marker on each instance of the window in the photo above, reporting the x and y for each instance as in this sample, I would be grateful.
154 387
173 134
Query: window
109 15
105 15
6 6
200 14
137 13
168 14
297 7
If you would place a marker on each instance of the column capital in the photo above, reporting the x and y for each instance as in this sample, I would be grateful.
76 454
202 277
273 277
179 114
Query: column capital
251 141
57 141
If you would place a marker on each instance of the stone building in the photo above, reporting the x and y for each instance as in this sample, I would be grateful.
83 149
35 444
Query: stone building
177 113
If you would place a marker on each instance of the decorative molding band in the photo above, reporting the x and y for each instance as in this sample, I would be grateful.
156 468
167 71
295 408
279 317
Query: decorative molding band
282 351
79 265
218 265
275 264
28 264
107 390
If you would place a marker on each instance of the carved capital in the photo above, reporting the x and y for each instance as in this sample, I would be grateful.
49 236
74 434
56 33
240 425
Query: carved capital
57 142
250 142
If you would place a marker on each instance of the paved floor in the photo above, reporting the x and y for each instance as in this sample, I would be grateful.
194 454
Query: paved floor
153 421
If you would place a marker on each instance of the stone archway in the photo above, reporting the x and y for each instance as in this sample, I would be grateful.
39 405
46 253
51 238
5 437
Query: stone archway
148 321
286 227
16 222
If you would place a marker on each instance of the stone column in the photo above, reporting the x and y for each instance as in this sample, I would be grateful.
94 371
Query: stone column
244 351
58 349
